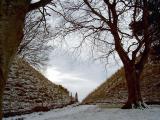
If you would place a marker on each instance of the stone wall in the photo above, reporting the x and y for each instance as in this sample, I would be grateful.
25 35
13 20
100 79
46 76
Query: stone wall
27 91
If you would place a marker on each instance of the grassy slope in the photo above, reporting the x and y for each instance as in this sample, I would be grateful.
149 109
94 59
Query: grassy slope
42 79
27 90
114 89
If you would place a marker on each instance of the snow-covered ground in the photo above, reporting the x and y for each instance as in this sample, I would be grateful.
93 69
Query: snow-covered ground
93 112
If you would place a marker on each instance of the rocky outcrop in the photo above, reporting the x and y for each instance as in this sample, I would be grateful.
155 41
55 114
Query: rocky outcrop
114 90
28 91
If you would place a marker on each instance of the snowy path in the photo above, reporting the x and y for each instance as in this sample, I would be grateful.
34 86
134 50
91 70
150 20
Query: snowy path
92 112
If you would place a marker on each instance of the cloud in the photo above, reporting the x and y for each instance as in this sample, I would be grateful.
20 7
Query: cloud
73 82
77 75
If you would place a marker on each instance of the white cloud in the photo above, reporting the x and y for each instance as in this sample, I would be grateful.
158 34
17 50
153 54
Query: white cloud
80 76
73 82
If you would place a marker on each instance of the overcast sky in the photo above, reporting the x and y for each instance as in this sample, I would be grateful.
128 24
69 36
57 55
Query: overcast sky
76 73
79 75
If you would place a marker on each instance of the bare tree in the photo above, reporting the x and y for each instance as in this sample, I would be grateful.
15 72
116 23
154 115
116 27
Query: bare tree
35 46
154 17
111 25
12 21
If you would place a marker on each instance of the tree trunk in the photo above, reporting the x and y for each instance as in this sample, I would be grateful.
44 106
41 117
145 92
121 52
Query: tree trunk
2 84
134 93
12 16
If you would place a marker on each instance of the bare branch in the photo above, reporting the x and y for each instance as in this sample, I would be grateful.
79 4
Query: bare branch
39 4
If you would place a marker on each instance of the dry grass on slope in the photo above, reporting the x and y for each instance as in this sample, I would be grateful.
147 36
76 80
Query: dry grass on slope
114 89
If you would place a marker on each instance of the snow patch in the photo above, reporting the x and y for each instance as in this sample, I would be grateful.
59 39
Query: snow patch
93 112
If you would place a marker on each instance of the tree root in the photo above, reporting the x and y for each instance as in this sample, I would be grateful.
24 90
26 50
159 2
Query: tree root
135 105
